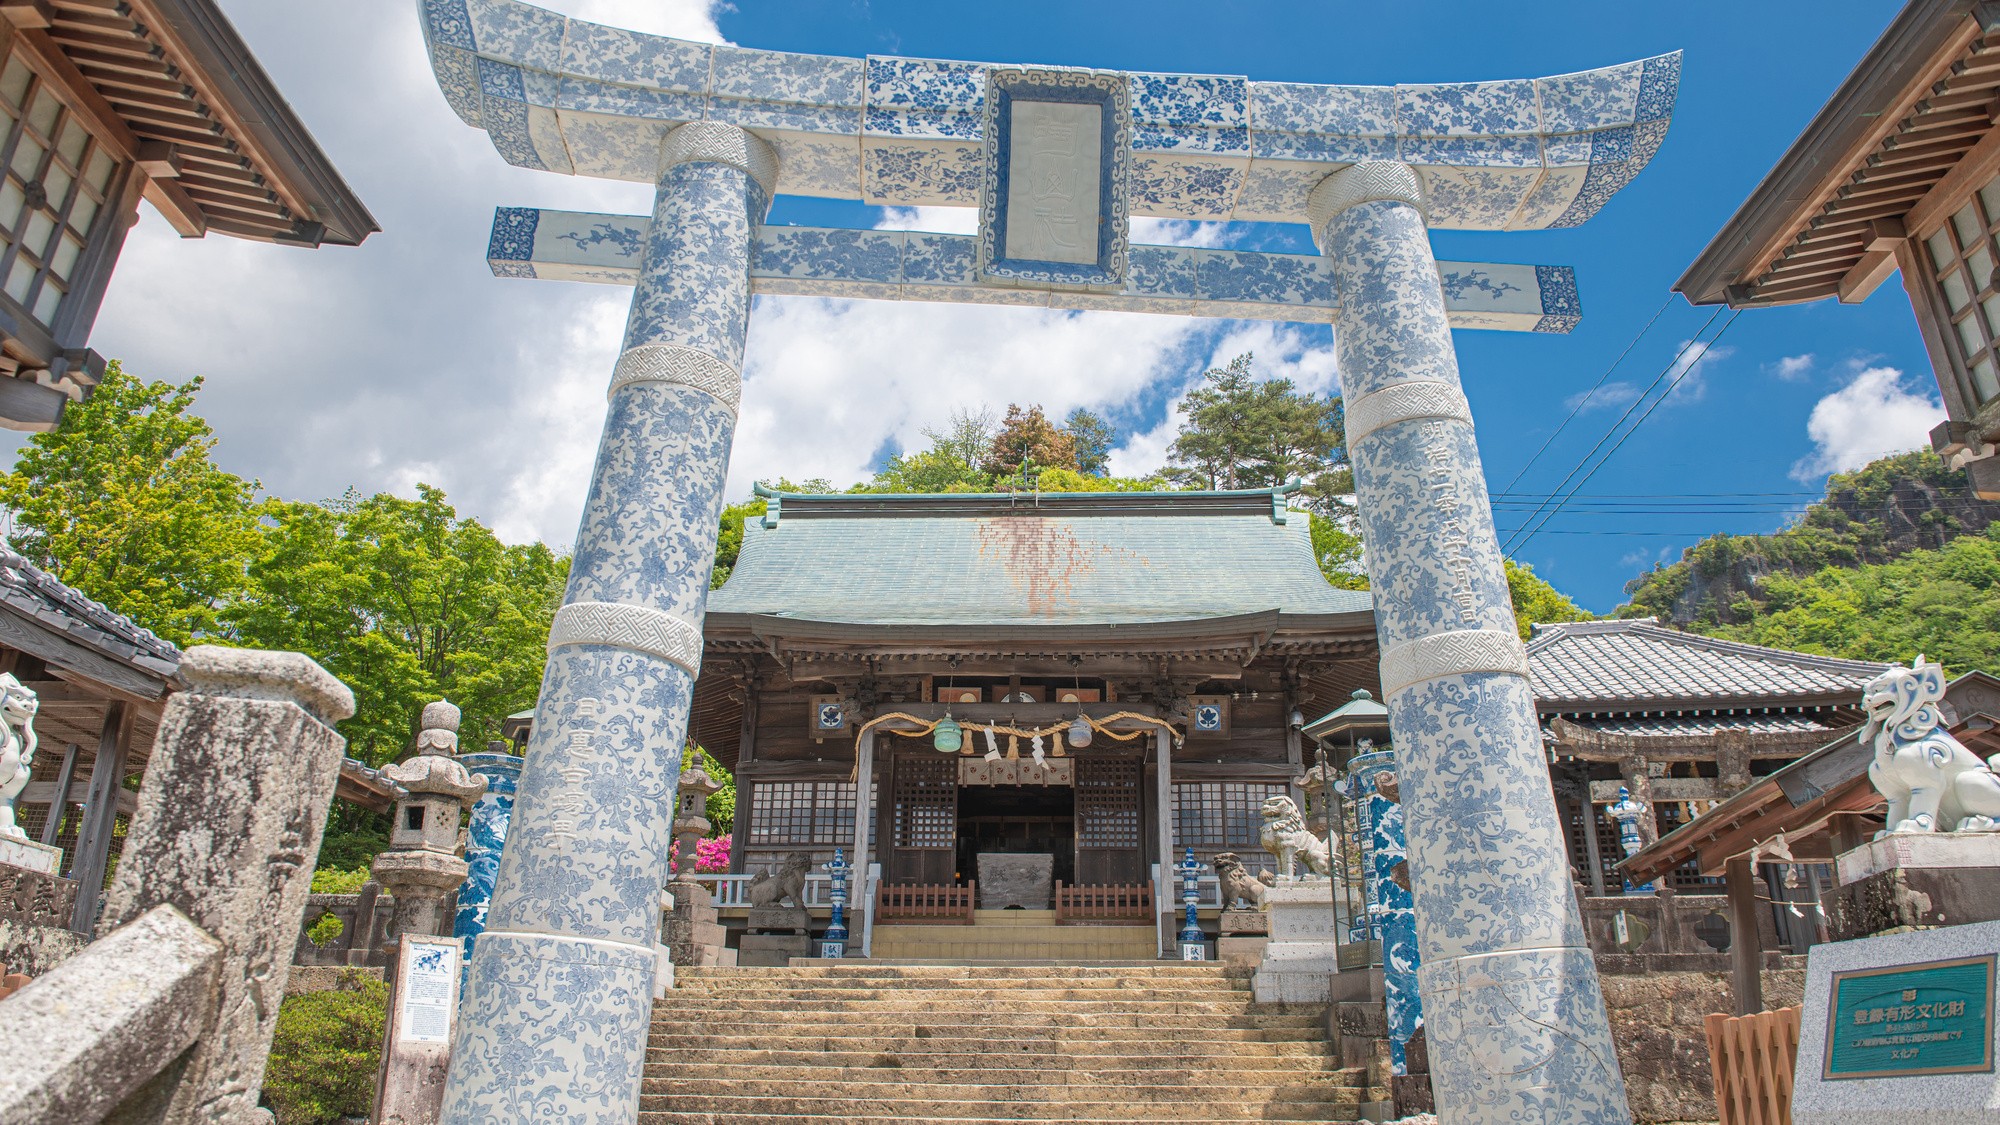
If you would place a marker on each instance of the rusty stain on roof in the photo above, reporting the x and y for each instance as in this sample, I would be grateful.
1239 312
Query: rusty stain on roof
1044 557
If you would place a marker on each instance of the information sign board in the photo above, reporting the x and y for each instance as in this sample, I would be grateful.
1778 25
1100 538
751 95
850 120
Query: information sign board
430 972
1935 1017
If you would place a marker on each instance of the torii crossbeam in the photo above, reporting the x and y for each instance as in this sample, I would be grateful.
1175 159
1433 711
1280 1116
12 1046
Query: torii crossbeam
1057 160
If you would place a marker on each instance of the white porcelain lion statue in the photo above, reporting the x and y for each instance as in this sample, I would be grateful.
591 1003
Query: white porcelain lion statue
1285 836
18 706
1933 783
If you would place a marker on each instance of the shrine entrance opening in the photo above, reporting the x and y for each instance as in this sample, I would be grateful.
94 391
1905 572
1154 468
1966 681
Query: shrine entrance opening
1017 820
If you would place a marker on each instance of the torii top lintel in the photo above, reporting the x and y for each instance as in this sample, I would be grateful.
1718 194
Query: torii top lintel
566 95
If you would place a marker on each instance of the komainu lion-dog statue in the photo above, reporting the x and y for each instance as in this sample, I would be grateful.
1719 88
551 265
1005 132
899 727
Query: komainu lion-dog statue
1238 885
772 888
1285 836
1933 783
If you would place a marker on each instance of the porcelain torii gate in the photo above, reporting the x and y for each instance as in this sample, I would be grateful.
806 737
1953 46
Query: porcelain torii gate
557 1009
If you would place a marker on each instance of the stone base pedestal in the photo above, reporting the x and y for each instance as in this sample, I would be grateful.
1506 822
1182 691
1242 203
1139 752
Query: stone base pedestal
39 858
691 932
773 949
779 920
1247 949
1245 922
416 1049
1026 880
1915 880
1302 957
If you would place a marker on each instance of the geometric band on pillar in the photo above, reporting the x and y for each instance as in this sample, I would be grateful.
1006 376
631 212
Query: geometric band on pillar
671 363
1427 399
1449 654
629 627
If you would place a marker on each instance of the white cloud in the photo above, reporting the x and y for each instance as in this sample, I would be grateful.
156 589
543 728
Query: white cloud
682 19
1148 231
1603 398
1791 368
935 220
1872 416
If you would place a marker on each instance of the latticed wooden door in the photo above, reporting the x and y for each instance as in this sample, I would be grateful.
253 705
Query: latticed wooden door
923 844
1107 820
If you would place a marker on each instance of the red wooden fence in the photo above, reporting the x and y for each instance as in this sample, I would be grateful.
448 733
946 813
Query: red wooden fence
926 903
1111 902
1752 1057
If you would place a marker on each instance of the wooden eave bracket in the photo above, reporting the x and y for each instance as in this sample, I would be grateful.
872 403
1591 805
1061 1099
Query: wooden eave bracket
31 14
180 209
160 160
1878 260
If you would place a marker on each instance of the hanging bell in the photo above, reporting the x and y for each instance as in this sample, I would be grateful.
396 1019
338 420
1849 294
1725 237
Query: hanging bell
948 736
1079 733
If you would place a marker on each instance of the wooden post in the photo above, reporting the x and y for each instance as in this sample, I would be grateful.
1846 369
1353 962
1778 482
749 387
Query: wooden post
1592 849
864 778
746 754
59 804
1746 945
100 817
1163 743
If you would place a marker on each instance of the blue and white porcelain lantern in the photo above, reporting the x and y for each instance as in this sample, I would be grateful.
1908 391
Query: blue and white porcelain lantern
833 944
1194 945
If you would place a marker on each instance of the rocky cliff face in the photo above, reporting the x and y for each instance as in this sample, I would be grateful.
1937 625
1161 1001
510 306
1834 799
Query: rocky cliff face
1896 505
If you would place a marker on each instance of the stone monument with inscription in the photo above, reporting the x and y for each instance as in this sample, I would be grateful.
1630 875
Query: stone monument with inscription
1056 160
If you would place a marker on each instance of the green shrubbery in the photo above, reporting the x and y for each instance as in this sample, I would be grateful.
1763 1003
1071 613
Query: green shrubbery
326 1051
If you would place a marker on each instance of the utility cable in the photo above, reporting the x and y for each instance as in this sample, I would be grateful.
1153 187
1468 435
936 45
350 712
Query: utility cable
1634 428
1508 547
1587 395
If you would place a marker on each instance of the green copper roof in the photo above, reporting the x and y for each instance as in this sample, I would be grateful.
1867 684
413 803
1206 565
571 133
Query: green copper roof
1030 559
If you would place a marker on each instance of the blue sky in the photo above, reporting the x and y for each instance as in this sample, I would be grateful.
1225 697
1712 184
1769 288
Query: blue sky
405 361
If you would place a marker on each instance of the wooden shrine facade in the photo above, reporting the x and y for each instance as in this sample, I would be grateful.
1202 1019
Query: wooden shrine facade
1185 629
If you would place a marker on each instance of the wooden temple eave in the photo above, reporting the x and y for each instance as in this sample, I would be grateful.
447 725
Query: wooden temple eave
1578 741
171 85
1907 133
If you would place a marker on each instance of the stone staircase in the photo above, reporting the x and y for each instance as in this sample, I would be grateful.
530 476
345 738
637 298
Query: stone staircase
1026 935
868 1043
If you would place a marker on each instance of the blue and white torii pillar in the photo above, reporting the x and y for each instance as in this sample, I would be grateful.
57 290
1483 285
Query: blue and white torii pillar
556 1014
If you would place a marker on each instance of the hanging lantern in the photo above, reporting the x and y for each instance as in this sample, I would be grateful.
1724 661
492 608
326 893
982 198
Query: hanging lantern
949 736
1079 733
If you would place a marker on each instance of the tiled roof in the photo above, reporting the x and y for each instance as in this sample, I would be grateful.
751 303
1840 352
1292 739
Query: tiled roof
1705 725
1627 663
34 593
1052 559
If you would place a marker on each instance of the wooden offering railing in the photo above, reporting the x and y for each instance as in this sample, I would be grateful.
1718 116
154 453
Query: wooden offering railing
925 904
1113 902
1752 1058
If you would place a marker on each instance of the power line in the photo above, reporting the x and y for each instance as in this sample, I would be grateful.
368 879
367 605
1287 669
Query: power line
1585 401
1508 547
1634 428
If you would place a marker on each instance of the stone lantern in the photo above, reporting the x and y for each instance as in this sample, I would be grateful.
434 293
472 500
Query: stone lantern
691 815
422 868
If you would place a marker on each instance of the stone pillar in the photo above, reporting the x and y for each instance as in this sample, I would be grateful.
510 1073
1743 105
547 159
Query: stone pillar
560 990
1516 1023
229 820
485 835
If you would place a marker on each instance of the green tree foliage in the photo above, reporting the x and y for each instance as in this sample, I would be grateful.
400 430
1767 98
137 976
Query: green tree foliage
325 1052
354 836
1536 602
721 808
1874 514
1027 441
1338 552
1944 604
407 603
1238 432
123 503
1092 438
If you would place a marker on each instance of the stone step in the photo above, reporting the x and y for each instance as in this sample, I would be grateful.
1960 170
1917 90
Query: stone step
923 1055
1286 1042
973 1025
928 991
891 1002
991 969
1168 1106
666 1117
1093 1075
